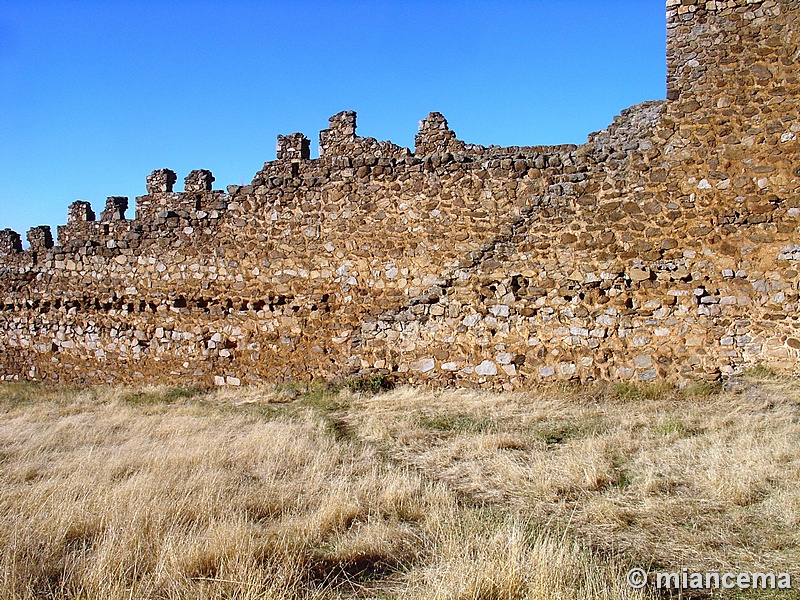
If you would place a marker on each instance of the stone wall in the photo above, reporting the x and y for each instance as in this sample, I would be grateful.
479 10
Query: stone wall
665 246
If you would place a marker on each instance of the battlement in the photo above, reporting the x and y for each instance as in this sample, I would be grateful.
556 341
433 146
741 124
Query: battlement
436 137
10 242
80 211
40 238
199 180
161 181
340 140
295 146
666 246
115 208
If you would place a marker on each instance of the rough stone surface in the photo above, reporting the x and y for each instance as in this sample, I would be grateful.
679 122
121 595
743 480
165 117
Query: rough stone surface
161 181
199 180
115 209
10 243
666 246
39 238
295 146
487 367
80 211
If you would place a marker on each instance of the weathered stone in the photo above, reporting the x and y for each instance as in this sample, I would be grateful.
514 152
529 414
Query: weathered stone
294 146
10 242
487 367
423 365
436 138
161 181
40 238
547 371
648 375
79 211
504 358
199 180
115 208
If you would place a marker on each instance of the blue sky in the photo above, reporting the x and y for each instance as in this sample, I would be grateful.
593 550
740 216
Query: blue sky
95 95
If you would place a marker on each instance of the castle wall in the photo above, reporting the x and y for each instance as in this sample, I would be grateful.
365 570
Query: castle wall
666 246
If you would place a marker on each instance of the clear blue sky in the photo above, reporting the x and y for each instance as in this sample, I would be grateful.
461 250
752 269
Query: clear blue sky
95 95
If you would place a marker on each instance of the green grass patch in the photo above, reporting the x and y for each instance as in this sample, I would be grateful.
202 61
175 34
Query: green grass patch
671 426
559 432
20 393
701 389
370 385
326 402
760 371
624 478
457 423
322 397
168 395
555 433
23 392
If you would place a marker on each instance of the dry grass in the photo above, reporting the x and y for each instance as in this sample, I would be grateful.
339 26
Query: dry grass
320 493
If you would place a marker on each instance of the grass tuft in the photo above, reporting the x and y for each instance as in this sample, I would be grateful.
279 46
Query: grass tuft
370 385
701 389
165 395
457 423
760 372
673 426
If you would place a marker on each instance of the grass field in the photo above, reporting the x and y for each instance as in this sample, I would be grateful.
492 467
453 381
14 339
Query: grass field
319 492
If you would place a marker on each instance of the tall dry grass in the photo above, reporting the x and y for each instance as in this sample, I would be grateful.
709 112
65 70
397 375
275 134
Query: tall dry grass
321 493
700 478
162 494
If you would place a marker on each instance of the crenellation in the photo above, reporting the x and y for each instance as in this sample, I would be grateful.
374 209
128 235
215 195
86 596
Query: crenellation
115 209
295 146
339 144
436 137
10 242
40 238
199 180
80 211
666 246
340 134
161 181
163 208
